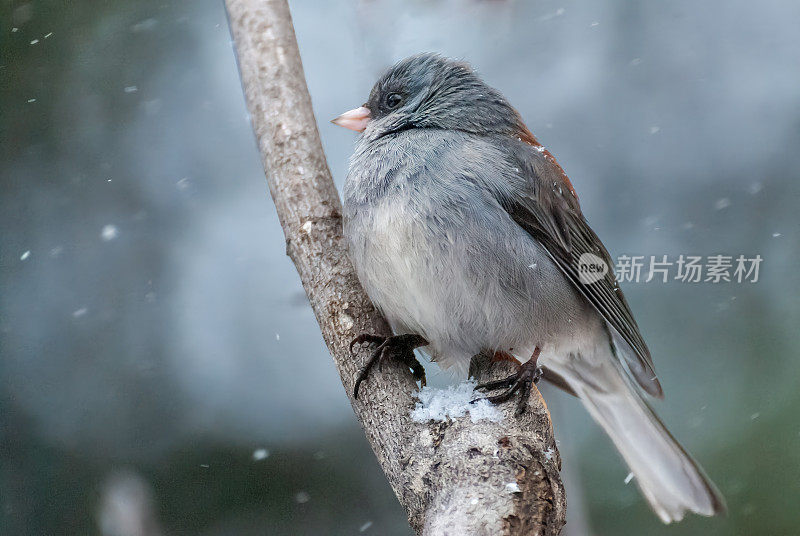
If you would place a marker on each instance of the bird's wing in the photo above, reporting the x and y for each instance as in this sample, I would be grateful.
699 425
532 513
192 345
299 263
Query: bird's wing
548 210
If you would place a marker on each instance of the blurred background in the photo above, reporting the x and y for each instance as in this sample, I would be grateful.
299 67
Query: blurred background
162 372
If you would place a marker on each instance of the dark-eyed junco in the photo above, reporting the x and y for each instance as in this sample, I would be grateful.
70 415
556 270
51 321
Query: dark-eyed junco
466 233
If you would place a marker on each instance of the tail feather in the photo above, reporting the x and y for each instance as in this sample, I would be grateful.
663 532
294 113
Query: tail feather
671 481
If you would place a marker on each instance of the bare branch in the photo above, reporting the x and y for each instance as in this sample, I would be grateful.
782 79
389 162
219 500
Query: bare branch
454 477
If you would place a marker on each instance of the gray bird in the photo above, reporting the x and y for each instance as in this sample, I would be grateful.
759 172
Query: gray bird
468 236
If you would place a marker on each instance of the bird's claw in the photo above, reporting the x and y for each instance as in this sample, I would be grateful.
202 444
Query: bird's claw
366 337
528 374
398 346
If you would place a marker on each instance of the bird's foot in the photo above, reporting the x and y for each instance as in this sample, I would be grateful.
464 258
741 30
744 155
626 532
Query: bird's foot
400 347
528 374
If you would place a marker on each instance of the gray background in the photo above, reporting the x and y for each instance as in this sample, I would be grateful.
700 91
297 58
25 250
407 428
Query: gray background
156 335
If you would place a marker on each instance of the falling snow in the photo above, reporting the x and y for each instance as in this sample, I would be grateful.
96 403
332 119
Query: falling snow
25 255
109 232
302 497
629 478
560 11
365 526
260 454
144 25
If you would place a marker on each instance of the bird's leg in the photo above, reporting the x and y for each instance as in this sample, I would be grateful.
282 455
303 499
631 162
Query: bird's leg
528 374
400 347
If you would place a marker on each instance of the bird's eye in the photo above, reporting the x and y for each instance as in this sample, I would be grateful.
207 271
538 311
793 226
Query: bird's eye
393 99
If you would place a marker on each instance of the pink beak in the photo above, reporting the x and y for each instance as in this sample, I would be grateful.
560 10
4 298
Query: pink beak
354 119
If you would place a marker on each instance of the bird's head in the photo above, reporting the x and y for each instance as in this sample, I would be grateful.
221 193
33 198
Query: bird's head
431 91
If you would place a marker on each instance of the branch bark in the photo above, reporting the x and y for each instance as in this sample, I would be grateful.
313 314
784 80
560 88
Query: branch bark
453 478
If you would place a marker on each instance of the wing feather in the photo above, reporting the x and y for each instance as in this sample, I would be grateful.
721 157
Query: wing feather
555 220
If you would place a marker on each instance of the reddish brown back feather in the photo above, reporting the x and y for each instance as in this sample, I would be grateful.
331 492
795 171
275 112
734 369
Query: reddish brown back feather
528 137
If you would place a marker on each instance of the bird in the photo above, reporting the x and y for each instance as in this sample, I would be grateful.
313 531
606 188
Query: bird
468 236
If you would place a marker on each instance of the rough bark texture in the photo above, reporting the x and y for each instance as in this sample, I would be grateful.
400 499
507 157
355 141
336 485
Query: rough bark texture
453 478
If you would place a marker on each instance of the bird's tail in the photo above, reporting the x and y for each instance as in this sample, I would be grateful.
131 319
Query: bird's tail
671 481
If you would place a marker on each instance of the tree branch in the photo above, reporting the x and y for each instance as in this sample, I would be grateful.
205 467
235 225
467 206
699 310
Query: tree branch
454 477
